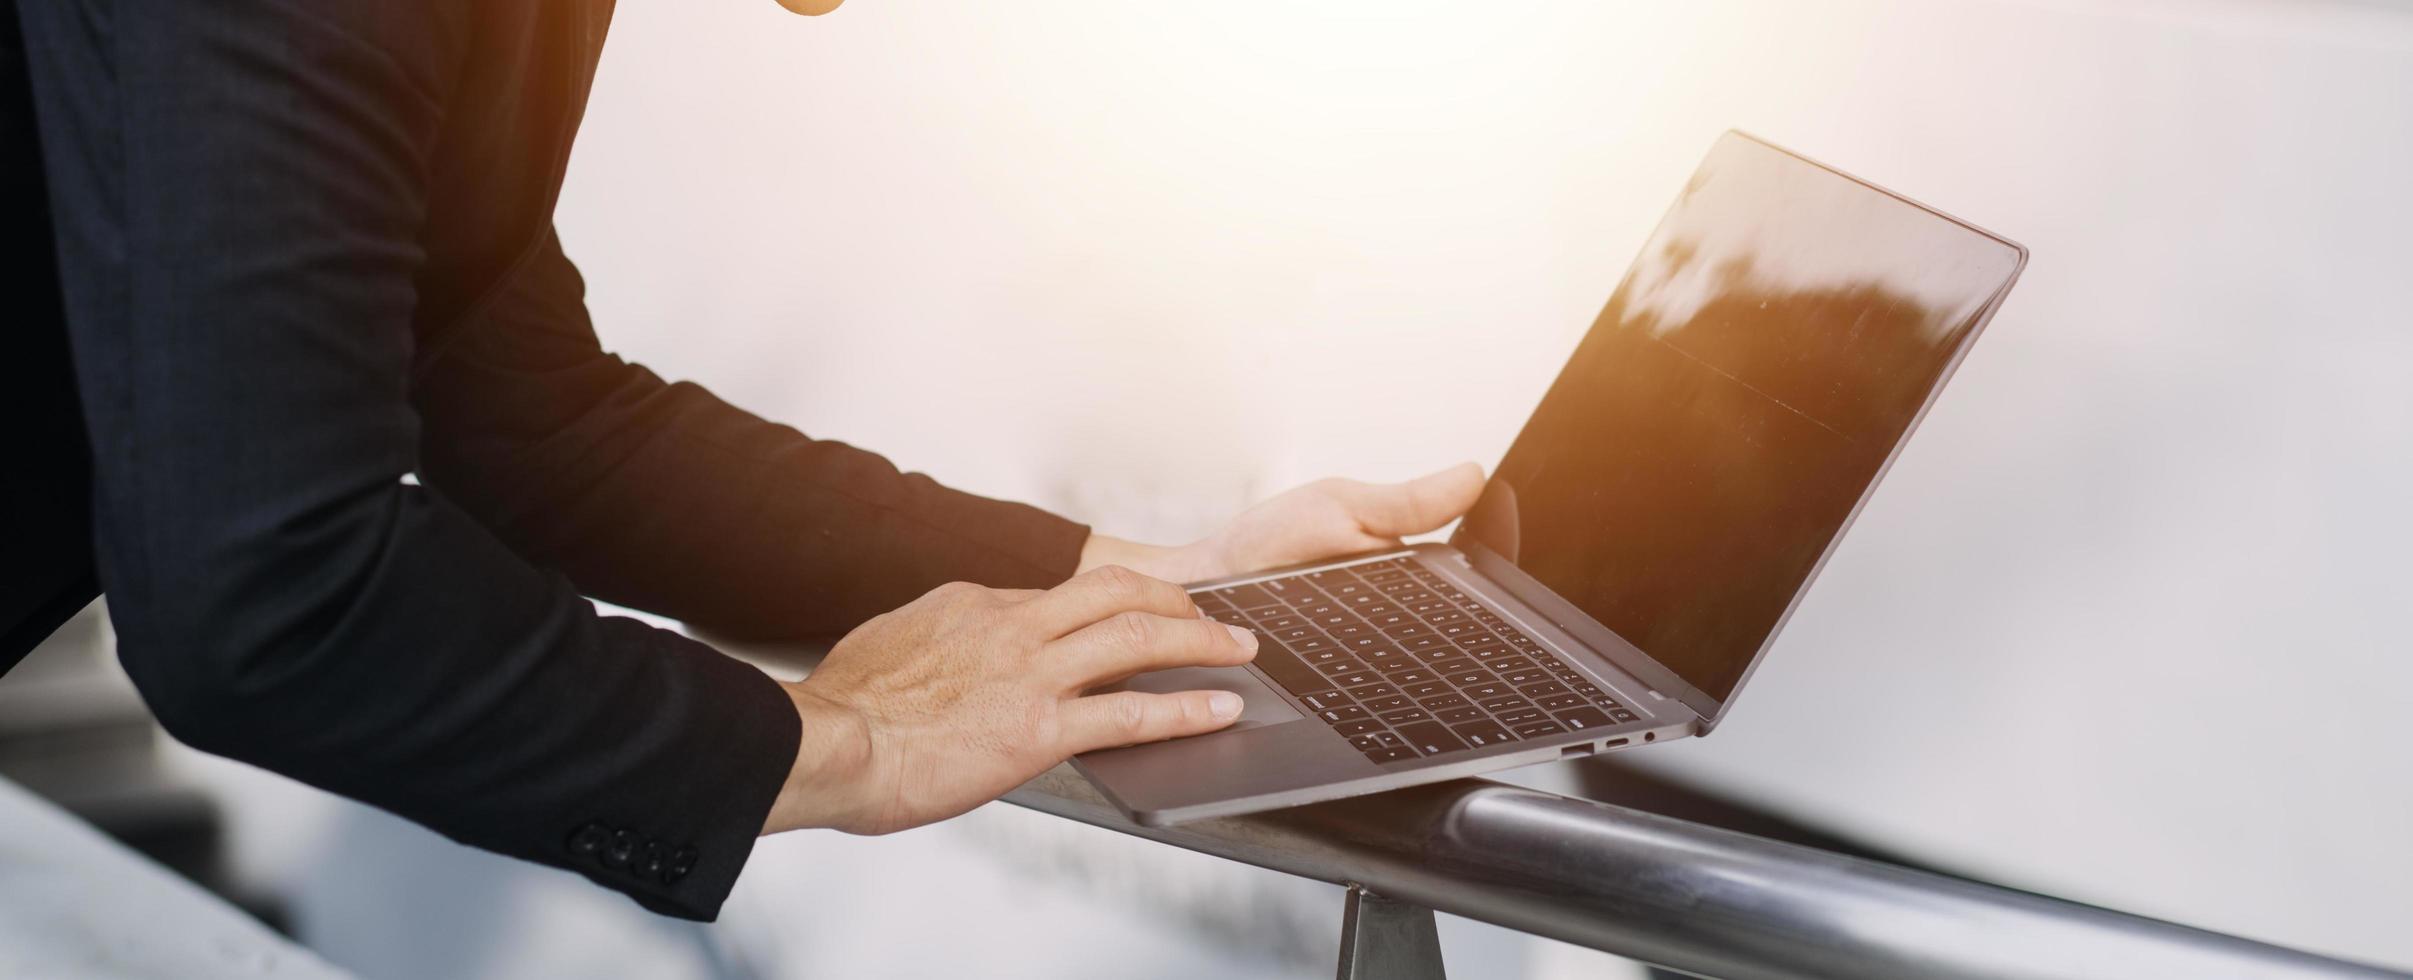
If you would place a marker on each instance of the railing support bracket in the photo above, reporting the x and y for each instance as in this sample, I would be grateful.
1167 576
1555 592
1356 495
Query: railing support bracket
1386 940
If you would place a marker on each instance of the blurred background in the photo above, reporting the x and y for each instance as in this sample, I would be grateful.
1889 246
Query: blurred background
2125 624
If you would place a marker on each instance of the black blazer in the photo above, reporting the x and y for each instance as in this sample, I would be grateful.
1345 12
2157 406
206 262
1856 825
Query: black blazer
306 249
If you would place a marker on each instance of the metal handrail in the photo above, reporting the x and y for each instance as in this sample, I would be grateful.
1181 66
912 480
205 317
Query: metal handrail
1689 897
1673 893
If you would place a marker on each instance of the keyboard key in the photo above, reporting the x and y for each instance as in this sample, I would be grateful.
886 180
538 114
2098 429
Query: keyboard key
1334 716
1461 630
1561 702
1431 738
1283 622
1289 589
1406 715
1483 692
1427 642
1361 600
1321 700
1386 575
1401 754
1539 729
1483 733
1245 596
1325 655
1295 634
1423 606
1371 691
1470 678
1388 702
1376 740
1446 616
1543 689
1319 607
1407 631
1505 702
1358 727
1452 716
1521 716
1343 590
1367 645
1426 689
1349 630
1384 621
1583 718
1440 701
1403 590
1307 646
1520 678
1455 665
1357 677
1340 664
1412 675
1623 715
1391 662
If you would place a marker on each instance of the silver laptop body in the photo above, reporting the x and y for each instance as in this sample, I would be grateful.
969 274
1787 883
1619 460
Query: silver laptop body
1636 552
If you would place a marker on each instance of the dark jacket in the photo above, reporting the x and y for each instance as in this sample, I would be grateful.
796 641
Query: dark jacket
306 249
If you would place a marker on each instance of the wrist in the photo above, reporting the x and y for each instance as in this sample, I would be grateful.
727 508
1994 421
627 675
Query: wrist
831 773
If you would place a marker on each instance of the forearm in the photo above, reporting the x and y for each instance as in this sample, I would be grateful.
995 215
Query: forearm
663 497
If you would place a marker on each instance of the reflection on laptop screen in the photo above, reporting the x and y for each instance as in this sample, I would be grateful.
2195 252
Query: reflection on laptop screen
1713 432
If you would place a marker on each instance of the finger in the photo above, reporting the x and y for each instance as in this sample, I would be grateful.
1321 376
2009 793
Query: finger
1130 717
1391 510
1134 643
1102 592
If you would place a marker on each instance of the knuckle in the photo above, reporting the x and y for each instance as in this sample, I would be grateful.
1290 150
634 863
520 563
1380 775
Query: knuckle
1118 581
1130 717
953 590
1132 631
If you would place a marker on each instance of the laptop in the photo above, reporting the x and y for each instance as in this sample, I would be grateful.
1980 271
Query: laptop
1648 533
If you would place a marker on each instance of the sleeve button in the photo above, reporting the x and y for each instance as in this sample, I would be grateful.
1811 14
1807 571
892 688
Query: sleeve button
623 847
680 864
656 860
587 840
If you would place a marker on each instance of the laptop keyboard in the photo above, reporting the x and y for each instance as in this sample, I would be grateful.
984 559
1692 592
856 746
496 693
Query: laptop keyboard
1404 664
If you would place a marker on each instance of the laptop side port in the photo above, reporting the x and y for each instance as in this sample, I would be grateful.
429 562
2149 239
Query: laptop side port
1575 751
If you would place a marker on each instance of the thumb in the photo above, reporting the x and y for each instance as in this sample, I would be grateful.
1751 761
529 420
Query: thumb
1395 509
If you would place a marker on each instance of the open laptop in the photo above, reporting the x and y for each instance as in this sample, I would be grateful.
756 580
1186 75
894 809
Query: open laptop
1632 558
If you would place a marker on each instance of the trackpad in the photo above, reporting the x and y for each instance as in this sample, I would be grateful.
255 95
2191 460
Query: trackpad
1260 705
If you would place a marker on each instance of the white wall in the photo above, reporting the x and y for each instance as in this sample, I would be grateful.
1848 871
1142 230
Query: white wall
2125 623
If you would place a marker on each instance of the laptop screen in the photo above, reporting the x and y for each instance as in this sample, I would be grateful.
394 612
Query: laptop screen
1713 433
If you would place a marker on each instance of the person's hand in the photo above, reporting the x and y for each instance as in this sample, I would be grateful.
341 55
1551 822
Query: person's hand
967 692
1319 520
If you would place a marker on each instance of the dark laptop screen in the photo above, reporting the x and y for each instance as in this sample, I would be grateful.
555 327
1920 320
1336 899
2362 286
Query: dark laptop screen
1716 428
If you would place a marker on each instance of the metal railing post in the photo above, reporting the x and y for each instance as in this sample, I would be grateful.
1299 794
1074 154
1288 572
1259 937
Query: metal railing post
1386 940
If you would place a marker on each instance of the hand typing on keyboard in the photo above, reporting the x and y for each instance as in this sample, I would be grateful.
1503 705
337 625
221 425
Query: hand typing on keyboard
1320 520
966 692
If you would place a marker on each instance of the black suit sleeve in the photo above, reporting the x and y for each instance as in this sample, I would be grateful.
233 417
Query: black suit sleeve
236 189
662 497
